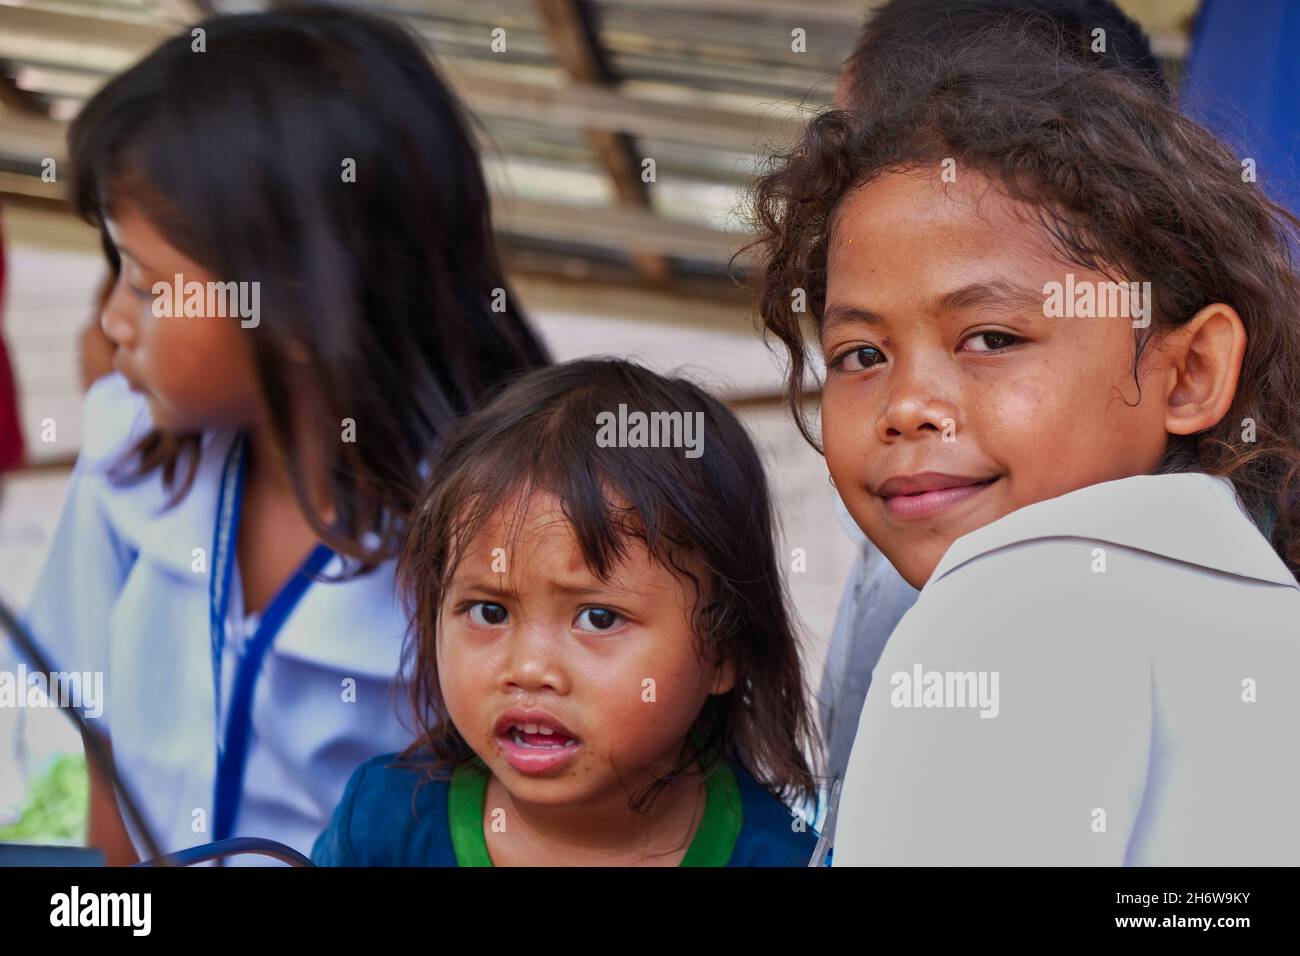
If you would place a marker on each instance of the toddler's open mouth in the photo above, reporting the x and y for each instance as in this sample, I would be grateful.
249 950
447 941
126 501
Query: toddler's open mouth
534 742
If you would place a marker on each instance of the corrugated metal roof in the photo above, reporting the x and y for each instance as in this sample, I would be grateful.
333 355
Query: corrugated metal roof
702 87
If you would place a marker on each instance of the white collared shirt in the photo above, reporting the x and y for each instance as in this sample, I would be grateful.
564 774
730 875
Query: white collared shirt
1136 646
120 594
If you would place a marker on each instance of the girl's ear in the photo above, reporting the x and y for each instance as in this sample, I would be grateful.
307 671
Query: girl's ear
724 677
1204 356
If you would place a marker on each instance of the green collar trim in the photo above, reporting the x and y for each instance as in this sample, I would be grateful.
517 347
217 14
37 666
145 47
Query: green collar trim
718 831
465 799
714 841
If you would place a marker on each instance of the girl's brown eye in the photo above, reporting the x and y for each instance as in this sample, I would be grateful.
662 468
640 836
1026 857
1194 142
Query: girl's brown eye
856 360
993 341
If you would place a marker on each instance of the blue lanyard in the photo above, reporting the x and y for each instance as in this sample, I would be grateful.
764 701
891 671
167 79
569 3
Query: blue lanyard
232 747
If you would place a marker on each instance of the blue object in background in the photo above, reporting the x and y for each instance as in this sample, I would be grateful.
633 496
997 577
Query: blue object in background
1243 82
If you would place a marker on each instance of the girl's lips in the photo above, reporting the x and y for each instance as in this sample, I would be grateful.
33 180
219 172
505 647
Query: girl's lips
537 754
927 504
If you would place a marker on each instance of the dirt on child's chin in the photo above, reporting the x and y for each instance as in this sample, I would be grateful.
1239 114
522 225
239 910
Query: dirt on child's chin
549 791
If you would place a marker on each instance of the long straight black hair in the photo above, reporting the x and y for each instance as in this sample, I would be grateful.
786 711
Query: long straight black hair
239 140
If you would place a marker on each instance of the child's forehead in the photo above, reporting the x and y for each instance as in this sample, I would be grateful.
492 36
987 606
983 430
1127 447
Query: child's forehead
922 202
529 543
535 528
910 235
528 524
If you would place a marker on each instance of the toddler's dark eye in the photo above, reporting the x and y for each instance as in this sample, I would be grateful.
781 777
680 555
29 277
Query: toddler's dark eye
598 619
488 613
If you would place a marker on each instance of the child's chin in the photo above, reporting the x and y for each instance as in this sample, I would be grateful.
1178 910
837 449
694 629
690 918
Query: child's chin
558 791
162 419
916 561
917 573
166 420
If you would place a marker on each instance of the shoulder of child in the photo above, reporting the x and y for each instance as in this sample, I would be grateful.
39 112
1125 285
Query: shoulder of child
389 815
1103 614
1191 519
770 834
113 419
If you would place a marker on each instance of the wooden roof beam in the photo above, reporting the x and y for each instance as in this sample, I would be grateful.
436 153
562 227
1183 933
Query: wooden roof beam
27 140
91 45
574 43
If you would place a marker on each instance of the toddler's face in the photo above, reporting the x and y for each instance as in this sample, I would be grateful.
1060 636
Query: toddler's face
196 372
951 397
572 690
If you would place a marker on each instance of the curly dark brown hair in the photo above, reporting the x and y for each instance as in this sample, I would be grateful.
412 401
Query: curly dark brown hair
1121 182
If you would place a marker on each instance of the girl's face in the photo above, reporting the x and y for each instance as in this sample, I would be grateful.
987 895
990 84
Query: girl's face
531 641
196 372
951 398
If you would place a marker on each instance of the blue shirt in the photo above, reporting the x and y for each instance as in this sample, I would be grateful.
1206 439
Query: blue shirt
875 599
397 816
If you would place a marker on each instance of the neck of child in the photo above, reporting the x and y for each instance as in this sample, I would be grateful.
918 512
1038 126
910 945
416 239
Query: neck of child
603 831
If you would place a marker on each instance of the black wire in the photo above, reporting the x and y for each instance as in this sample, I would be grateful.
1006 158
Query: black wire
232 846
96 751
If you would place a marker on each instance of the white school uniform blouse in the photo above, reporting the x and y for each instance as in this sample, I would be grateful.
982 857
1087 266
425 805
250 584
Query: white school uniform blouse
119 594
875 599
1146 714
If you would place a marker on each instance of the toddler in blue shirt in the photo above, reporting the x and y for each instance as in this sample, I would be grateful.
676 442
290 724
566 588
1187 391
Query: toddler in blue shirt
605 671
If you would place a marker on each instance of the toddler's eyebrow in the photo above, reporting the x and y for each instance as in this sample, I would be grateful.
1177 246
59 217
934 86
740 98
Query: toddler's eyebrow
572 589
482 587
575 590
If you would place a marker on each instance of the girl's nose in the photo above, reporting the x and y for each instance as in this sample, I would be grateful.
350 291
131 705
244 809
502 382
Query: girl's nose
918 405
118 319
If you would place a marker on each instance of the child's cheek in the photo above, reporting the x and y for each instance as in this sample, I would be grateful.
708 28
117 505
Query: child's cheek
1020 427
461 684
848 433
651 707
202 371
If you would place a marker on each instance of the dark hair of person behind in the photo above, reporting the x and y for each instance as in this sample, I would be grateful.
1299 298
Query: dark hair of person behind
383 288
1071 23
1120 182
709 515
